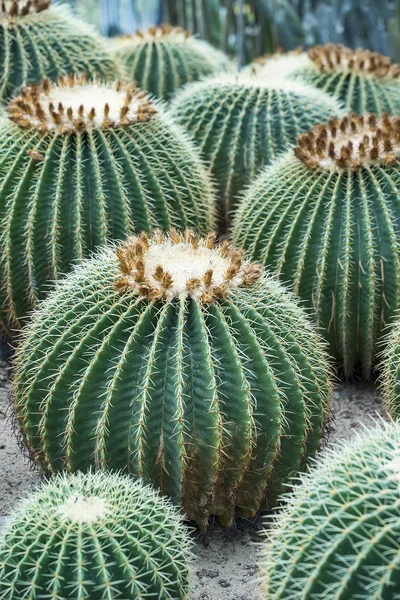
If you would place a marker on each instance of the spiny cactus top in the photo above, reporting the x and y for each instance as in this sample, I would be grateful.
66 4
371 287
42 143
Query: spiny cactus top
82 162
38 40
176 360
364 81
98 536
164 58
338 536
243 122
326 218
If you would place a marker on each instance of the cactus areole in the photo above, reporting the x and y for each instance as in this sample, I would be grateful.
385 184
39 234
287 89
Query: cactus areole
81 163
326 217
175 359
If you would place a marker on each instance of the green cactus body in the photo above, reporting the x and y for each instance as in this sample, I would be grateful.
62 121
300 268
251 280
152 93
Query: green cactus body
82 163
177 362
97 536
164 58
40 41
242 123
363 81
390 375
326 218
338 535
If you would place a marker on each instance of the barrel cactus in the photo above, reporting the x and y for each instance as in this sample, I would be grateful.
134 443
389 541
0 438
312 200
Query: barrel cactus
338 536
163 59
243 122
175 360
82 162
326 218
364 81
390 375
39 41
97 536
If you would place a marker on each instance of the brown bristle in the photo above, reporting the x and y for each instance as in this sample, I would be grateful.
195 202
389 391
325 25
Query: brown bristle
333 57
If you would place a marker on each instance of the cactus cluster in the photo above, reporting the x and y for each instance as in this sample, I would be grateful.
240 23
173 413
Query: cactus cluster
326 218
175 360
83 162
362 80
97 536
164 58
338 536
38 40
243 122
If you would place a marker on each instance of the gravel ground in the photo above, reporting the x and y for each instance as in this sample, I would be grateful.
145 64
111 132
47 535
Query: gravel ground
226 561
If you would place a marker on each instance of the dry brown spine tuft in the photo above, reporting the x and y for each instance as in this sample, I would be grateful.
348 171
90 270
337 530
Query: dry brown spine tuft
333 57
351 143
35 107
21 8
161 31
226 268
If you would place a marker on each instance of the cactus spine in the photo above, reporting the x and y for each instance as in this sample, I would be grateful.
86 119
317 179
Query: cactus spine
80 163
363 81
164 58
176 361
95 536
338 535
40 41
242 123
326 218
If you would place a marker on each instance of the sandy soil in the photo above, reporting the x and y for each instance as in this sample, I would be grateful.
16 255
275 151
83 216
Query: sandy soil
226 561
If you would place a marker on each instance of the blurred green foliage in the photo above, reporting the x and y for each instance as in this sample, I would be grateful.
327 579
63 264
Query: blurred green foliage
250 28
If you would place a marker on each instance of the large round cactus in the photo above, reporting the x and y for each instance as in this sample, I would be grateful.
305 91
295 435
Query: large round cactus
338 536
38 41
164 58
364 81
242 123
176 361
326 218
97 536
82 162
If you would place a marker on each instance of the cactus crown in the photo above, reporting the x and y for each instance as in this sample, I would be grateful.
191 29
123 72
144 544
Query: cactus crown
332 57
351 143
22 8
76 104
164 31
182 265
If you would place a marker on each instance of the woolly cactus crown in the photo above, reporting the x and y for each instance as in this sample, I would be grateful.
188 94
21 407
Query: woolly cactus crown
337 537
364 81
162 59
9 9
95 536
75 104
196 372
183 266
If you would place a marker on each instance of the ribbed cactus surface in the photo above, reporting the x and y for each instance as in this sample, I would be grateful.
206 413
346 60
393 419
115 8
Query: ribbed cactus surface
177 361
99 536
243 122
338 536
81 163
163 59
362 80
326 218
390 376
38 40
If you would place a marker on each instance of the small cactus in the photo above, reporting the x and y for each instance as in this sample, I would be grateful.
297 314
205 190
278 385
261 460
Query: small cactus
175 360
338 536
97 536
83 162
326 218
164 58
40 41
363 81
242 123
